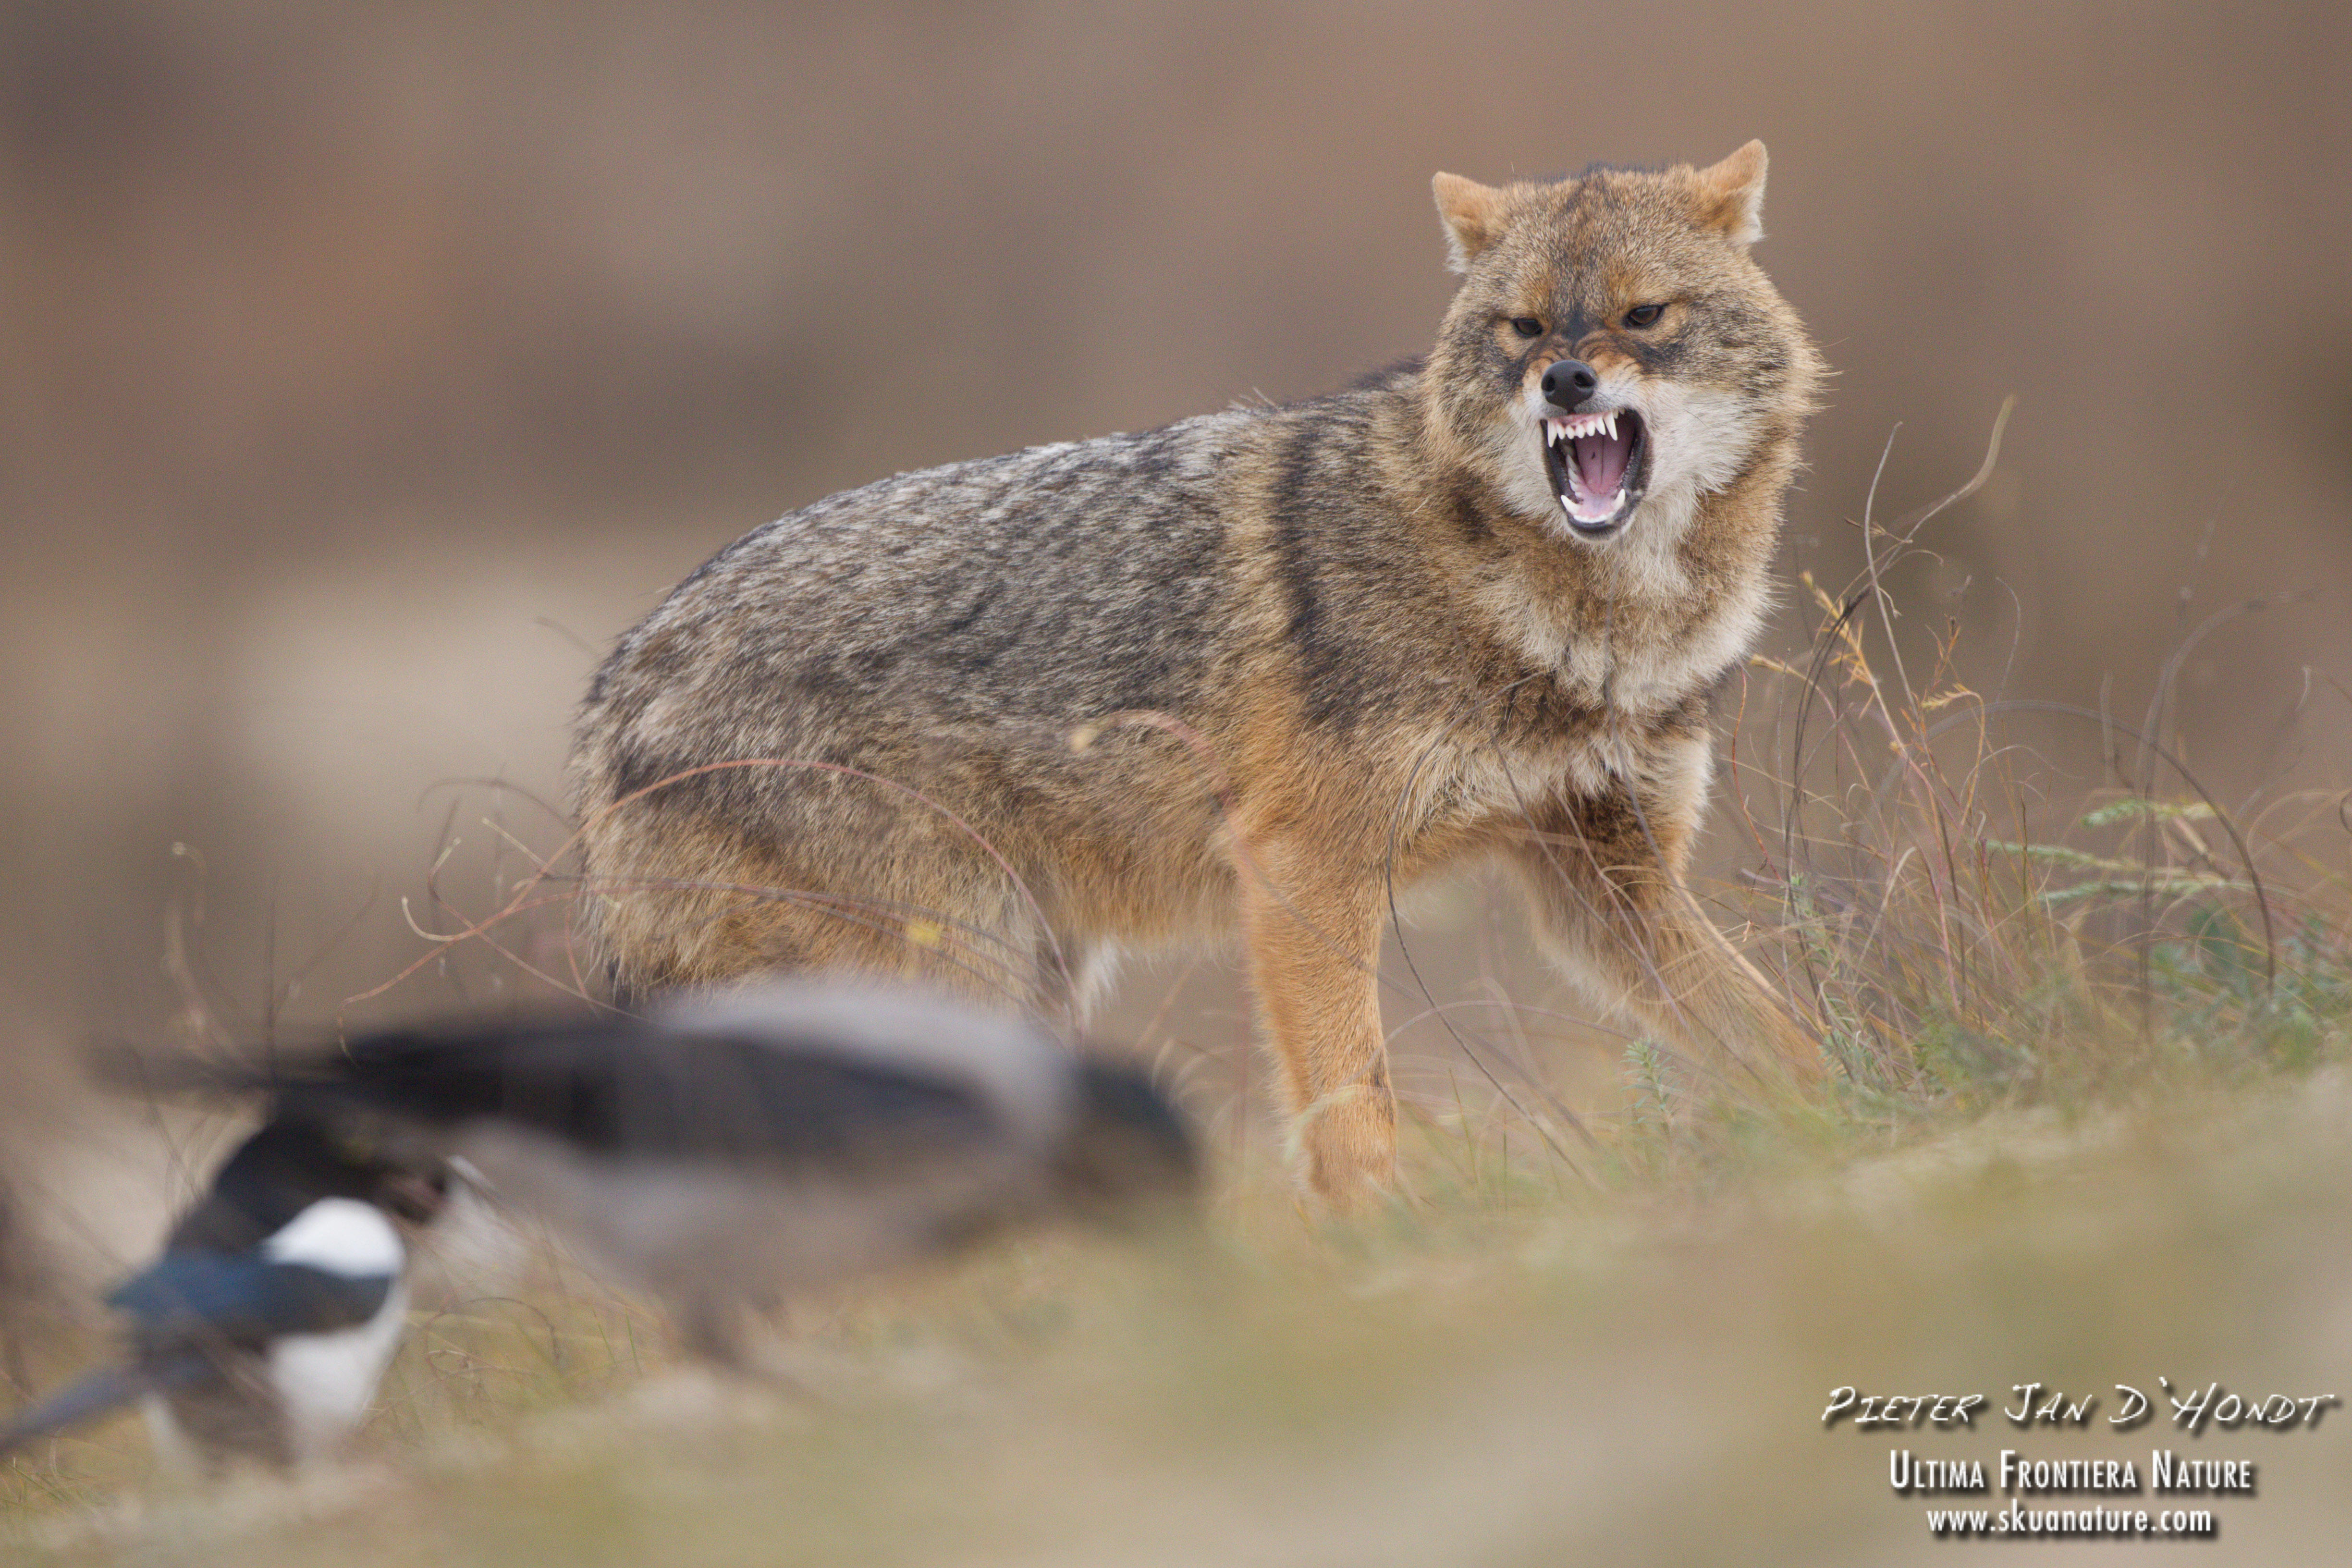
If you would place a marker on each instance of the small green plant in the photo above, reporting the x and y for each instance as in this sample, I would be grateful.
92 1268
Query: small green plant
1950 956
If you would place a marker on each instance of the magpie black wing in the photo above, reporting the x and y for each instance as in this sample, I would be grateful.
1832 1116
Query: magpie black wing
208 1299
625 1088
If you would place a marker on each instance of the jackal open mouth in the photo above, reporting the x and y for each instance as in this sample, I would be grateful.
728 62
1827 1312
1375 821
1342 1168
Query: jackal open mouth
1595 463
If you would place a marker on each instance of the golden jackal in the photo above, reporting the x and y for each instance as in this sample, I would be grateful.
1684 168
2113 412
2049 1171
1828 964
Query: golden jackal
998 720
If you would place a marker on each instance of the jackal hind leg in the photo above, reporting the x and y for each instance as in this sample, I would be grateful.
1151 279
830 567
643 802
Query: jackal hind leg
709 918
1074 973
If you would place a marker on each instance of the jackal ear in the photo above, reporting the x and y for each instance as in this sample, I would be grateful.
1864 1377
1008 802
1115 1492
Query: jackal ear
1731 195
1472 215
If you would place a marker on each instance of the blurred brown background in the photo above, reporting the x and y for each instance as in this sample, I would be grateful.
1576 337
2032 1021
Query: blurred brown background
367 368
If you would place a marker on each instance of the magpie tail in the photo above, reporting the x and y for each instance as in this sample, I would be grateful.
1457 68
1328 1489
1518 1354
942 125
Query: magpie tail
93 1396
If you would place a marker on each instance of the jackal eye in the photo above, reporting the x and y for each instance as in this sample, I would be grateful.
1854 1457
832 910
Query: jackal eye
1527 326
1644 315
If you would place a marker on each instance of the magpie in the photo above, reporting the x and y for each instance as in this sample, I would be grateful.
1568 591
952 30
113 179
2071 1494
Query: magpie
726 1151
279 1297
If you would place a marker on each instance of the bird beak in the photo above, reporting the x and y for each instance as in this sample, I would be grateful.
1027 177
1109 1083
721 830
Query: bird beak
415 1199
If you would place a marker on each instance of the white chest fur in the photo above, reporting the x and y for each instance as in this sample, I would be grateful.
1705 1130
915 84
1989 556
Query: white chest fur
1667 647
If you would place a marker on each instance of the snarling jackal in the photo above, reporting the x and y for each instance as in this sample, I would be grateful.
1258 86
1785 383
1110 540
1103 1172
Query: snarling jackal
990 723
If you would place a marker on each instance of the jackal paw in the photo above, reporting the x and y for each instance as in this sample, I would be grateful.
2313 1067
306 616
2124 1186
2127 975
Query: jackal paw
1345 1147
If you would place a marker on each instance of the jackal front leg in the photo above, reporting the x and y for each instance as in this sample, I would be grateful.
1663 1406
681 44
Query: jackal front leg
1603 874
1313 934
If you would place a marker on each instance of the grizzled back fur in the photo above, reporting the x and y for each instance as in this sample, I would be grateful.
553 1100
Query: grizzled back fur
986 724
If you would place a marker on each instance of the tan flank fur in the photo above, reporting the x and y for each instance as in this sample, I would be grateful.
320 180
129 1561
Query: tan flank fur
987 725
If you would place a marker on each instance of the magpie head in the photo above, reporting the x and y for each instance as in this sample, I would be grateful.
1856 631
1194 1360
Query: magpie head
295 1160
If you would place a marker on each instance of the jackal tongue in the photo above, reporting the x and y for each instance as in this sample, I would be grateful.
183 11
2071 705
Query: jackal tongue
1601 462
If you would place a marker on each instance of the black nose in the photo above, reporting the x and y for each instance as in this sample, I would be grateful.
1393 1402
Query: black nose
1568 383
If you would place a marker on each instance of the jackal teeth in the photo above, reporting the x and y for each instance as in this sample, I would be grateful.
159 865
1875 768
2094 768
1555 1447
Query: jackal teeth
1577 425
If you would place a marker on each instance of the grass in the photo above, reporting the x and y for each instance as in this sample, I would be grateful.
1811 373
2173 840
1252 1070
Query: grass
2085 1129
1641 1376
